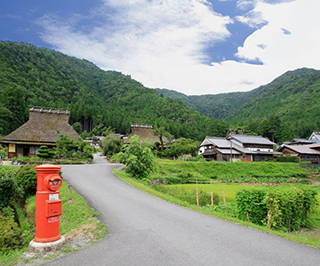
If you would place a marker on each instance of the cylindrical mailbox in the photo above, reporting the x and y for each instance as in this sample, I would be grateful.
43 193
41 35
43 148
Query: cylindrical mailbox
48 203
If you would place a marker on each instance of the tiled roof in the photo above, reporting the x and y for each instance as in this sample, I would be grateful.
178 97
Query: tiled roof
246 139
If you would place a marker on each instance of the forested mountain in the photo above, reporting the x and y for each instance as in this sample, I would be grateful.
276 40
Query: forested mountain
287 107
41 77
218 105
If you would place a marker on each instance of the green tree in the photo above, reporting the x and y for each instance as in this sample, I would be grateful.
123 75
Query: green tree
111 145
138 158
65 146
182 146
45 152
161 132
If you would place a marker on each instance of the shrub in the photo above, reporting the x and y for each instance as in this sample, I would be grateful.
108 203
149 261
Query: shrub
26 178
45 152
251 206
138 158
10 236
281 208
9 190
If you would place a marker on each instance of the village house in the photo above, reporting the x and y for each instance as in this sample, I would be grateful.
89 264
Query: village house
41 129
304 152
315 136
238 147
145 132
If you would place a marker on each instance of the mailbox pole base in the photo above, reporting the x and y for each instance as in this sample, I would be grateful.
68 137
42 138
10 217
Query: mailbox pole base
38 247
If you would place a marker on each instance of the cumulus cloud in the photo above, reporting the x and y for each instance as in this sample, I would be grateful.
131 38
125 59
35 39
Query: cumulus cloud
161 43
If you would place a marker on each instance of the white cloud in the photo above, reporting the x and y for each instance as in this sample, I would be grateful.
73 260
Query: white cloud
290 40
160 43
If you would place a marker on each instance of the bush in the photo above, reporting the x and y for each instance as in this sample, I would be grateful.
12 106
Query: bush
281 208
26 178
45 152
251 206
286 158
138 158
10 237
9 189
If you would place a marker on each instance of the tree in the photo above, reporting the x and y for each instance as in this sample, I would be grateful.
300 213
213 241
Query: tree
182 146
111 145
161 132
45 152
138 158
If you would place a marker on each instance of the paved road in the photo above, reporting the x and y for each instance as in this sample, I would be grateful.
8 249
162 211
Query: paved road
145 230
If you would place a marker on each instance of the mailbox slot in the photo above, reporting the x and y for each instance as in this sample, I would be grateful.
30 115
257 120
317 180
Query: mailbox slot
53 208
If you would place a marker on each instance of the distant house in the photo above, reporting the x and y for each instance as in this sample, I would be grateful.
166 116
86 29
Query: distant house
238 147
315 136
145 132
41 129
218 149
304 152
299 142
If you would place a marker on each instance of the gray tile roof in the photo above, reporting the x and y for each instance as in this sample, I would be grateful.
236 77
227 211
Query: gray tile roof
301 149
246 139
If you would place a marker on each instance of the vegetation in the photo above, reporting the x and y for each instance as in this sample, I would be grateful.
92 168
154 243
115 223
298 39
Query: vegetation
138 158
281 208
37 76
181 172
17 213
227 210
285 108
67 151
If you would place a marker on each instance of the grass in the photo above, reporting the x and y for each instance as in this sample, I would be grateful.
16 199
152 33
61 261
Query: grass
308 237
214 169
77 219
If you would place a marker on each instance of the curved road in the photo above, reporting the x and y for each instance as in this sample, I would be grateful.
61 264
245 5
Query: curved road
144 230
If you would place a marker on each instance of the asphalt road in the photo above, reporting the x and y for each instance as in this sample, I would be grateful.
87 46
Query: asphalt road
145 230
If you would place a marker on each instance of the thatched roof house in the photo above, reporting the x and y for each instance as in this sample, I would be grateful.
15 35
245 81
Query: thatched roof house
41 129
145 132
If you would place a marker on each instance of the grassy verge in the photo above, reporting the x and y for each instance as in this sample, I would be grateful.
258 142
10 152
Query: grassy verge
78 224
308 237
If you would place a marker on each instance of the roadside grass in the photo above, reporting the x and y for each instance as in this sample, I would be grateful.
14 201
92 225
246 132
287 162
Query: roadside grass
78 223
305 236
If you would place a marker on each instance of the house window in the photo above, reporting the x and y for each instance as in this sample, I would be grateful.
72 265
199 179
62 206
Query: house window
32 150
12 147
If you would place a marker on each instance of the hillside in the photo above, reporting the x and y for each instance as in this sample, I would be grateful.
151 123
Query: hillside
41 77
218 105
291 101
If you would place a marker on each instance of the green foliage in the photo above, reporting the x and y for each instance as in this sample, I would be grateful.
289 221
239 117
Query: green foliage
111 145
37 76
281 208
287 107
179 171
138 158
10 237
9 189
3 152
26 178
179 192
251 206
182 146
65 146
286 158
45 152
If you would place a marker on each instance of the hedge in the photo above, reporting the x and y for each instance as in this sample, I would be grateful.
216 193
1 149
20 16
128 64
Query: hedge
281 208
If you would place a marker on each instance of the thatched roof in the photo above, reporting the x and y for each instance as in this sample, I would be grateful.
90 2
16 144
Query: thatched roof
42 127
144 132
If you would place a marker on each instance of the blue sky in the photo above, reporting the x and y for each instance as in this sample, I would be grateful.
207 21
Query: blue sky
191 46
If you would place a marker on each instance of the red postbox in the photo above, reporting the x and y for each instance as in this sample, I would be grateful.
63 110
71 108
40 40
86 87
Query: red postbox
48 203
